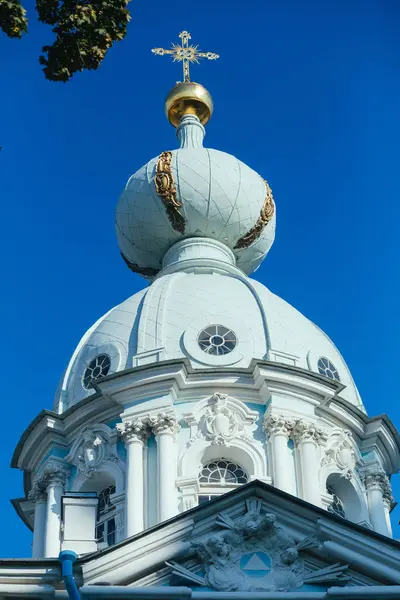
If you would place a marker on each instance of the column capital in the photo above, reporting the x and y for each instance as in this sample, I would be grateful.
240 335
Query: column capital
164 423
38 491
278 424
377 479
305 431
53 473
134 430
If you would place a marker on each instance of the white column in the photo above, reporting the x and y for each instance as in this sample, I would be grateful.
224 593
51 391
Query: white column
38 497
55 476
165 427
307 437
134 433
377 484
278 429
387 505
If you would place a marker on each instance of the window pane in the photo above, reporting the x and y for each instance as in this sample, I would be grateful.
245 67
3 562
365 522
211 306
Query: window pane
100 532
111 532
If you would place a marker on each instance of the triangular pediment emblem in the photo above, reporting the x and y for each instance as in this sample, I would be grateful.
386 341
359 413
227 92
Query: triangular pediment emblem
258 561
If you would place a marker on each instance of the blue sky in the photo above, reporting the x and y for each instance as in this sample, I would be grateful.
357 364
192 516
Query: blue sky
307 93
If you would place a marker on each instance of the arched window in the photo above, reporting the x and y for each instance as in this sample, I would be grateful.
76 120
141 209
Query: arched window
98 367
327 368
105 529
218 477
336 506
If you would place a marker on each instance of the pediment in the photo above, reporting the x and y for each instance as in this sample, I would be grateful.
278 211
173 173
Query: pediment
253 539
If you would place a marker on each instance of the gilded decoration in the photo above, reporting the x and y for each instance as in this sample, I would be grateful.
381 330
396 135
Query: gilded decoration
165 188
266 215
185 53
144 271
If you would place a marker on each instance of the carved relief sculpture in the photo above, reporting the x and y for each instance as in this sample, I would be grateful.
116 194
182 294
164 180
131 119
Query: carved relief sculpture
221 421
255 554
91 448
220 424
340 452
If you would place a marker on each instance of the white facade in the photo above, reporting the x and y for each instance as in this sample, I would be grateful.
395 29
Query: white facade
202 382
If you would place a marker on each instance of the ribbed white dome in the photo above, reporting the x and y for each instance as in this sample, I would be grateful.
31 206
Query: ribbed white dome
221 198
164 321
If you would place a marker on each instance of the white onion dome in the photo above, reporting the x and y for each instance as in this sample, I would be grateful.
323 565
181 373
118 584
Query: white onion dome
202 308
194 192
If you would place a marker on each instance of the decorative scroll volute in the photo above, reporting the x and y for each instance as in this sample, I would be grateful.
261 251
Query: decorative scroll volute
266 215
165 188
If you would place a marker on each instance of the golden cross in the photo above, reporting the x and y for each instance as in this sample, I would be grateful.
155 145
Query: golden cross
185 53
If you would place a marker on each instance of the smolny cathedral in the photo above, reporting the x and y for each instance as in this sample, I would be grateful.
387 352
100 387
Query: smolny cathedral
207 441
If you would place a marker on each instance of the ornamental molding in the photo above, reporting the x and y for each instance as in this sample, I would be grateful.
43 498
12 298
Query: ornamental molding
340 453
220 420
305 431
278 425
375 478
164 423
91 448
38 491
266 214
254 553
52 473
166 189
134 430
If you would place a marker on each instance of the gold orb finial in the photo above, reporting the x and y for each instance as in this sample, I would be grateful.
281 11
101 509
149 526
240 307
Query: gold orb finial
187 97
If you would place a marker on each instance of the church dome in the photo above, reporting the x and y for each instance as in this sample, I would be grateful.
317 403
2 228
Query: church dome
194 192
210 314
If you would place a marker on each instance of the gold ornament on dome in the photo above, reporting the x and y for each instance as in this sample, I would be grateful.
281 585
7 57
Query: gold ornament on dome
144 271
185 54
266 215
165 188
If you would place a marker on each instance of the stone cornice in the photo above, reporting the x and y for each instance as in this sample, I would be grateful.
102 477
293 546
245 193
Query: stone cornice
173 378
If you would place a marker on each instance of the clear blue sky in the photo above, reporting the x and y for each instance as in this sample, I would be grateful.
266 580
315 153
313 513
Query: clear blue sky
307 93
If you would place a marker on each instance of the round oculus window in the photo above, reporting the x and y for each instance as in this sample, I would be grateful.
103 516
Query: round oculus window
217 340
98 367
325 367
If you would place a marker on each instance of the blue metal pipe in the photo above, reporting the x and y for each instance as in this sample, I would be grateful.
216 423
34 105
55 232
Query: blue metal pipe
67 559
